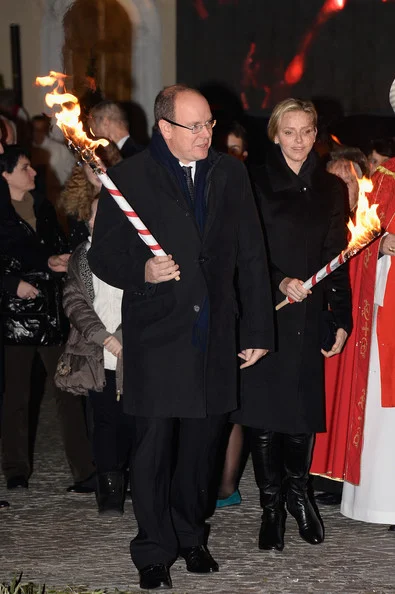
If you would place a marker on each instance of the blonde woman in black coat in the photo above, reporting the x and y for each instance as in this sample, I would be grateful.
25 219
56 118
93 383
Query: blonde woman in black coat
282 401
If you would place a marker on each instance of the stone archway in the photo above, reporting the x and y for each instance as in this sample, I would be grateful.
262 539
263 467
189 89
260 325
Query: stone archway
146 66
98 43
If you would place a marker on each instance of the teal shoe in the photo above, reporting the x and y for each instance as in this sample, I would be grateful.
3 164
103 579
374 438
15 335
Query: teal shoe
234 499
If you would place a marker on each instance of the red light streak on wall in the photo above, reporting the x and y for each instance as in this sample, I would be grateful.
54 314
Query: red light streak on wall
252 71
201 9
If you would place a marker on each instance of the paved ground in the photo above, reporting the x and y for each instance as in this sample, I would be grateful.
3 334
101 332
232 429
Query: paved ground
58 539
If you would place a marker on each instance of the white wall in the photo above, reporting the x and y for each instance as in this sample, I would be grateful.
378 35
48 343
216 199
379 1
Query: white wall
28 14
168 13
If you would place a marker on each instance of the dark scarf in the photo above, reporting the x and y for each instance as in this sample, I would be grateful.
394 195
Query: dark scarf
160 152
282 176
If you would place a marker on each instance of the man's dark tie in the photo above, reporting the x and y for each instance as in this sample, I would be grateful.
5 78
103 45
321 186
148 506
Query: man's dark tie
188 176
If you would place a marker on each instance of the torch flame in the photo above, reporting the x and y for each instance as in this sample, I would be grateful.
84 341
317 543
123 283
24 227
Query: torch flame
367 224
68 118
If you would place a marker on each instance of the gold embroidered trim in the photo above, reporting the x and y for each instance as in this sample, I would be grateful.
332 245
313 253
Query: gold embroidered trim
385 171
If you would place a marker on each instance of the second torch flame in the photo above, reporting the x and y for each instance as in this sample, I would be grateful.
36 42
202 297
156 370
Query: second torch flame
367 223
365 229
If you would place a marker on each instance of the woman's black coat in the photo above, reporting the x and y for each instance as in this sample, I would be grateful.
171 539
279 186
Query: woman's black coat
24 251
20 241
304 219
165 373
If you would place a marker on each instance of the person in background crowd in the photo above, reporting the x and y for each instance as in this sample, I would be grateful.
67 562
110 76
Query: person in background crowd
353 154
3 286
358 448
58 157
367 373
94 310
282 399
235 140
108 120
179 338
32 248
81 189
8 131
350 165
52 161
231 138
381 149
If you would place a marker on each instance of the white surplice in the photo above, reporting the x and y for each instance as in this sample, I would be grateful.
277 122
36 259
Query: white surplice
373 500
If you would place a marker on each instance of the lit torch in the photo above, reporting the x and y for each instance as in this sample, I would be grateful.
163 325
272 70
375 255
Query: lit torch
71 126
367 227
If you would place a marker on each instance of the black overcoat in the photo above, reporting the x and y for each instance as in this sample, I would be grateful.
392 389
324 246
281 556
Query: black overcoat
165 374
304 219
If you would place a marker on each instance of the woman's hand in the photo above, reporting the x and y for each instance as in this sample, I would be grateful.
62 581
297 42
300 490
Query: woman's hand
341 336
26 290
294 289
59 263
387 245
113 346
92 177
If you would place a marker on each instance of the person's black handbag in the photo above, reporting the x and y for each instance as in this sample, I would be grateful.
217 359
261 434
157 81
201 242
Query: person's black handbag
328 330
36 322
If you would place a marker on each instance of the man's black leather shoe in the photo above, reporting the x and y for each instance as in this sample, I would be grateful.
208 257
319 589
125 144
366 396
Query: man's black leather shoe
198 559
155 577
86 486
17 482
4 504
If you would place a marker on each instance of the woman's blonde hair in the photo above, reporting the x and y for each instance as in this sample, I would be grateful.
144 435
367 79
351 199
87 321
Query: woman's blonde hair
284 107
77 197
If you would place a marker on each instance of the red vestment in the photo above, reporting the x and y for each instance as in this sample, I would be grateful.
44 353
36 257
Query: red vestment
337 452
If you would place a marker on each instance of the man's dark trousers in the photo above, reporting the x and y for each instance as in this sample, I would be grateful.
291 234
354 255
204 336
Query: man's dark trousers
171 470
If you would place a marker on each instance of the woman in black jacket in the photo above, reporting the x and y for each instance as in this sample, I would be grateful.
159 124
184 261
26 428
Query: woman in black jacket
32 252
282 399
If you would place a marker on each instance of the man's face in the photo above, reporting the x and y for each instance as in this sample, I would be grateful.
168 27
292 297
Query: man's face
235 147
375 159
40 131
190 109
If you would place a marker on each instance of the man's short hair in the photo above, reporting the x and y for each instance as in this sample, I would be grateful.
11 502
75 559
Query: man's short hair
165 101
110 110
42 118
351 153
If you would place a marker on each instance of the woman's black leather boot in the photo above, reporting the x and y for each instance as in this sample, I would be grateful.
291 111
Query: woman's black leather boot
298 451
267 452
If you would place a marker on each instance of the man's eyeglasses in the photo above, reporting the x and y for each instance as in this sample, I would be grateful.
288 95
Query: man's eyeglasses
196 128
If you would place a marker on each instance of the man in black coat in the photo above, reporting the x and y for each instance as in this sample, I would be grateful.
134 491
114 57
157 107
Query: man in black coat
108 120
179 320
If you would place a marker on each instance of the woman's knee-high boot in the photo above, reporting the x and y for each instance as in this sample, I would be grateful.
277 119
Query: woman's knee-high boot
298 451
267 456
